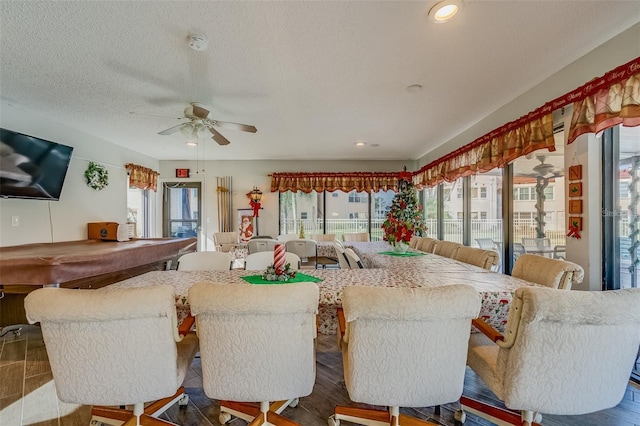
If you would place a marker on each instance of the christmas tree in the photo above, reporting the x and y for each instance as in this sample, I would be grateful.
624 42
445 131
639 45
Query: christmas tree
404 219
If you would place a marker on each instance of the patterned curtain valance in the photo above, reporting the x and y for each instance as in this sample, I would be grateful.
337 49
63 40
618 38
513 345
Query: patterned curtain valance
326 181
495 149
142 177
607 101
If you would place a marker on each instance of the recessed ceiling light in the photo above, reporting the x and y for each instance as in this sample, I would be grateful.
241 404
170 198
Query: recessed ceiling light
414 88
360 143
191 143
445 10
375 145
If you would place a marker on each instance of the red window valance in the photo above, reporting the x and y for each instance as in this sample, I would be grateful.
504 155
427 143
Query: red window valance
142 177
327 181
607 101
495 149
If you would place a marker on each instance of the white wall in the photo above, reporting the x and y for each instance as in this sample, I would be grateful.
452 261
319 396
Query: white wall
247 174
66 219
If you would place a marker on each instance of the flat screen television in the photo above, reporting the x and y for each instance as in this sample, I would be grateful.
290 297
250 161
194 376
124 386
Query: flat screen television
31 167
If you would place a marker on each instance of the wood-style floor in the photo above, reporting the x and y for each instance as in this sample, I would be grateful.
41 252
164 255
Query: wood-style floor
27 394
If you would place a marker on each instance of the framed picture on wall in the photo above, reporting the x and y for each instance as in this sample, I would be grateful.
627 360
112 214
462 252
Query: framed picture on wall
247 225
575 189
575 172
575 206
576 222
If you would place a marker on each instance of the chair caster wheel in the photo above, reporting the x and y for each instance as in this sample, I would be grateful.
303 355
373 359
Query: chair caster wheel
294 402
184 401
224 418
332 421
460 417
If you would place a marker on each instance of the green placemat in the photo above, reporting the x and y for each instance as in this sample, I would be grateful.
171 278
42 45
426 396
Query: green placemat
406 254
299 278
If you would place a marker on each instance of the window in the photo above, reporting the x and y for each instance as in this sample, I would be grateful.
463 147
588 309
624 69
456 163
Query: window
336 213
548 193
302 209
138 211
624 188
483 192
358 197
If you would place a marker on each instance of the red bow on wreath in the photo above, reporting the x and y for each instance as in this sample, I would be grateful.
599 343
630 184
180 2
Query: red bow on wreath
254 200
255 206
574 232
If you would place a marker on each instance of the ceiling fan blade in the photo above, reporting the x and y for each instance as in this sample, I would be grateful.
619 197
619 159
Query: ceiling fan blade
171 130
221 140
200 111
234 126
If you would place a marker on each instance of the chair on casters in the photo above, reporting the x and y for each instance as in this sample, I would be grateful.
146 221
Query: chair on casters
447 249
205 261
485 259
355 236
115 348
550 359
403 347
274 360
426 244
549 272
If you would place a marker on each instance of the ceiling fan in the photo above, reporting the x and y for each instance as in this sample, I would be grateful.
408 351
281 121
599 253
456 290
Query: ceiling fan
199 121
544 169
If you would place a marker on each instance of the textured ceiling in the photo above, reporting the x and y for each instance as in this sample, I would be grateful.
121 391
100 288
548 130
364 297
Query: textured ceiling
313 77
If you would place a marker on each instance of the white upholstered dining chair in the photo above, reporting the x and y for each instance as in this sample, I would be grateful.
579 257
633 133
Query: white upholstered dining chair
549 272
114 348
563 352
225 241
485 259
403 347
447 249
256 345
426 244
355 236
205 261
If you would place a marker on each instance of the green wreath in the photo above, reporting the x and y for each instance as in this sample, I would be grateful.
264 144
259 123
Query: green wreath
97 176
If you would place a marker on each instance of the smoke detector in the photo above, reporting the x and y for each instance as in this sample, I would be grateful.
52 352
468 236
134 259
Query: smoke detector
197 42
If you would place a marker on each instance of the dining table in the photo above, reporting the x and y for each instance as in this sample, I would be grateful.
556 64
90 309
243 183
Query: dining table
383 268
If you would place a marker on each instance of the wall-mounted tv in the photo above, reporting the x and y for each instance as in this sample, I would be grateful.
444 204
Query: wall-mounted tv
31 167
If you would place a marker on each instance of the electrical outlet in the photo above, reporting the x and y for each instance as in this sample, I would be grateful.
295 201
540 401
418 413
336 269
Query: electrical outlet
15 220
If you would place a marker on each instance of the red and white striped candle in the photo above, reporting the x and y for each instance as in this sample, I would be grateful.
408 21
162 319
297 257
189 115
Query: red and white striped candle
279 254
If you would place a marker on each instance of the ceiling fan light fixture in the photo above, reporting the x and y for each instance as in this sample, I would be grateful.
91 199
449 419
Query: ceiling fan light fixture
187 129
445 10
